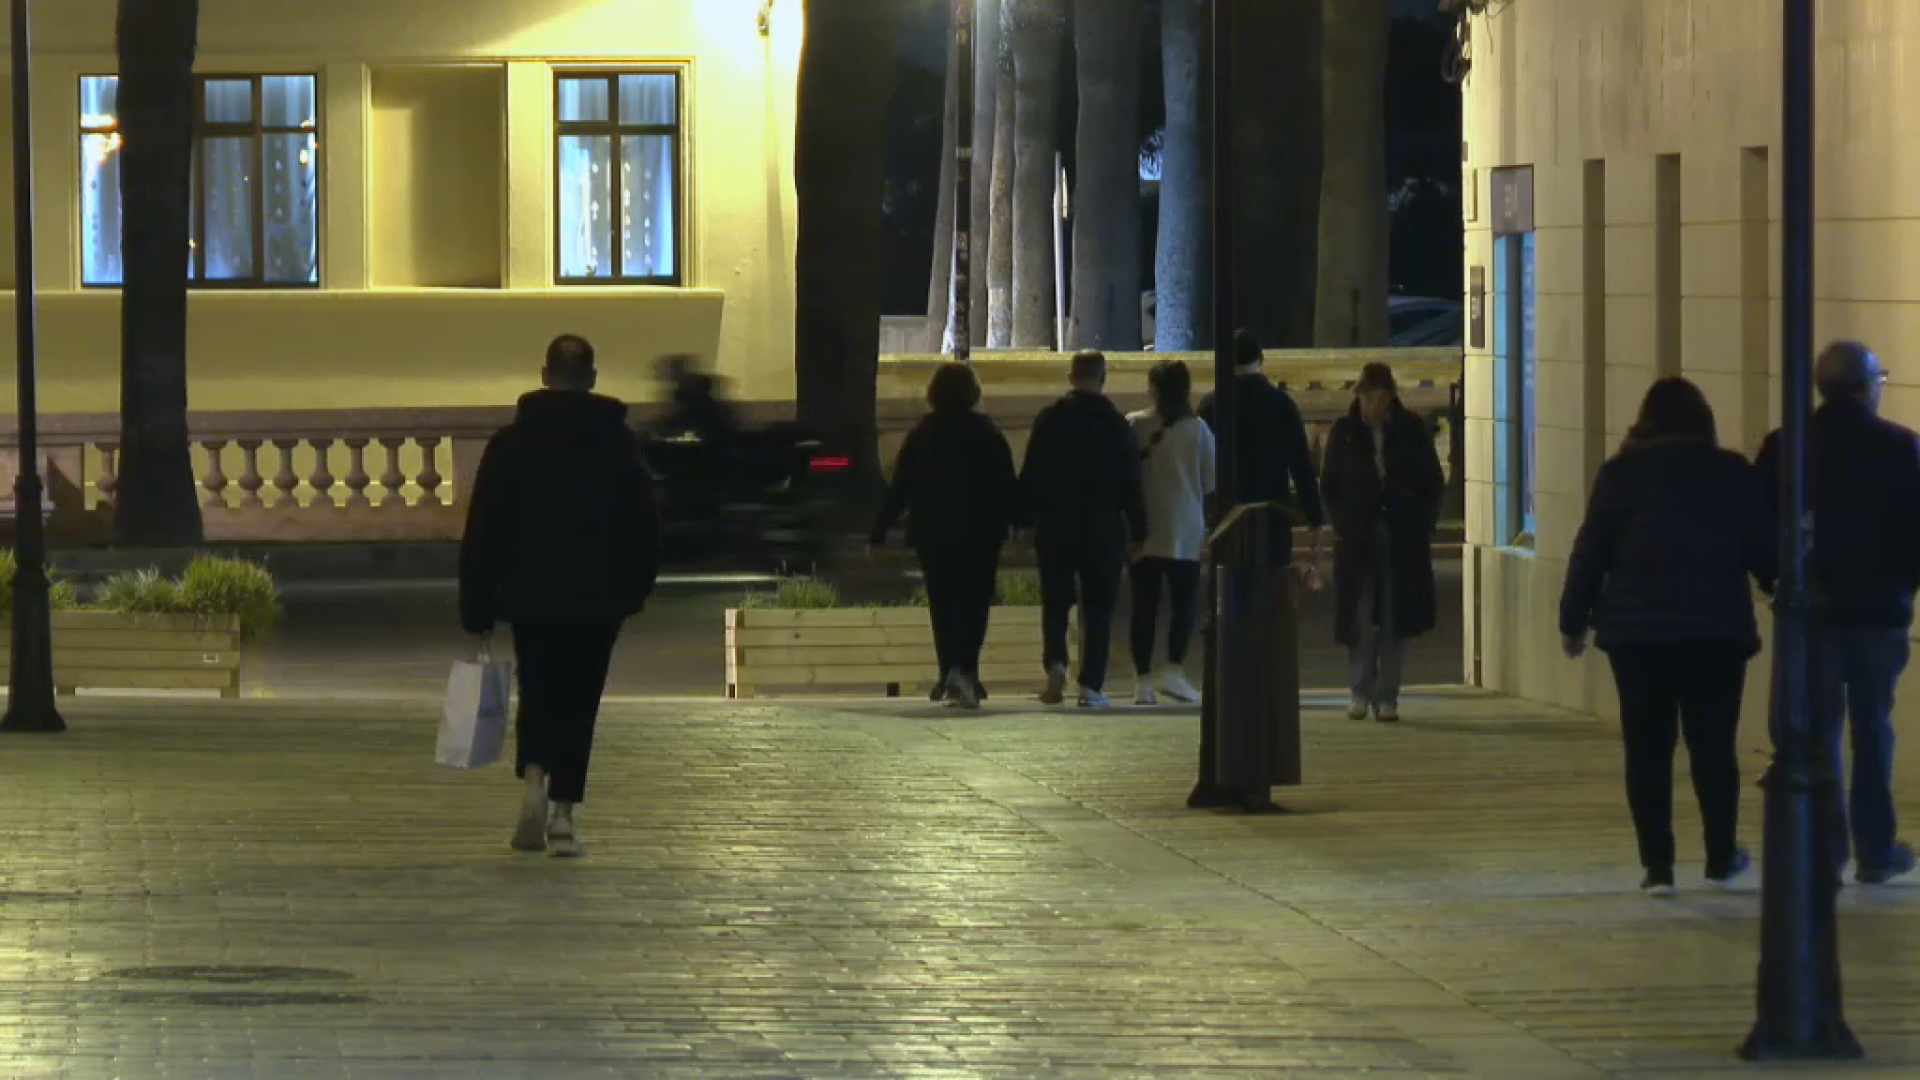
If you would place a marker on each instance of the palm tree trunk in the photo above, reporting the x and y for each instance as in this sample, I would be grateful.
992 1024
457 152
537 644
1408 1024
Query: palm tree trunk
1183 272
1354 225
1039 27
1277 155
940 282
986 98
1005 154
846 79
1106 242
156 503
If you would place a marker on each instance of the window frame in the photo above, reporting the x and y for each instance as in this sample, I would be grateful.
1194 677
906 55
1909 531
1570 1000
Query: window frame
257 130
616 131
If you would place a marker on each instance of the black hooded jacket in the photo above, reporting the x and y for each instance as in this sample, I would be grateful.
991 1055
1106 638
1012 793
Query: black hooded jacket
1081 481
562 526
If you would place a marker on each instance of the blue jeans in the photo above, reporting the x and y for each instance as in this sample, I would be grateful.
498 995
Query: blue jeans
1855 674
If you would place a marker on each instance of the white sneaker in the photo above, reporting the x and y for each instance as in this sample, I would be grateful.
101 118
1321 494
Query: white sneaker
530 832
1056 691
1358 708
1173 683
1143 692
1094 699
562 837
961 693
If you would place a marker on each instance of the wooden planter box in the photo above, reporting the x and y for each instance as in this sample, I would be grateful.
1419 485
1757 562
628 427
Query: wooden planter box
105 650
871 649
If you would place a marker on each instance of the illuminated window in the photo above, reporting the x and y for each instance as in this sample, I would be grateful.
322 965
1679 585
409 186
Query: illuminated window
618 147
255 194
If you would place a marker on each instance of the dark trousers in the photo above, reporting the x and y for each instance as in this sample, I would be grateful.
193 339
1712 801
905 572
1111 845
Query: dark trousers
563 672
1093 579
960 587
1855 674
1667 690
1182 579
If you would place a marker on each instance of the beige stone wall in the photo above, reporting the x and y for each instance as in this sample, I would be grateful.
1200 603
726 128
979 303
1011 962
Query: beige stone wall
436 133
1640 273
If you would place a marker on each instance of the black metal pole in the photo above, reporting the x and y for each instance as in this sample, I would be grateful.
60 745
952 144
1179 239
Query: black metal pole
30 704
966 44
1226 477
1800 1012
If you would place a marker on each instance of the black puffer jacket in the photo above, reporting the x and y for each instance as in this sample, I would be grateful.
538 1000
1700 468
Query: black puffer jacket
562 527
954 481
1081 479
1673 533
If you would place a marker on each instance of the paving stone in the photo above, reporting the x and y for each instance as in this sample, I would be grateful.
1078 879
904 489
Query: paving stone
292 889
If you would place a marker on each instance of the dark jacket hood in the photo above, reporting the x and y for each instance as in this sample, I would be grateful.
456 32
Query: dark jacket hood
572 410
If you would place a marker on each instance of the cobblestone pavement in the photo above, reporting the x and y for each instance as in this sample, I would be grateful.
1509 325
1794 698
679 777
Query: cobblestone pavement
279 889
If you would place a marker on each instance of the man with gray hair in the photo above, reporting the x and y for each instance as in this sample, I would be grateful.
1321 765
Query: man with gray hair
1865 487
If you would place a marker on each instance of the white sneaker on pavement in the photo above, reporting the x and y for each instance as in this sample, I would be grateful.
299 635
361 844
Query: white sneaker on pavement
1094 699
562 836
529 834
1173 683
961 692
1056 691
1143 692
1358 708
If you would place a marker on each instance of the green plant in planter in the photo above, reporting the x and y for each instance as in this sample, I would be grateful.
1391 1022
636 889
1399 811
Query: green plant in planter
211 587
1017 588
62 594
794 594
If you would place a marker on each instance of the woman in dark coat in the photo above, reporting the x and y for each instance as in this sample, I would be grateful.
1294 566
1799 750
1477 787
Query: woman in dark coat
1382 485
1659 573
954 481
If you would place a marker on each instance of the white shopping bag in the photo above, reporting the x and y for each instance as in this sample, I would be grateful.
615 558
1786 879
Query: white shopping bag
473 725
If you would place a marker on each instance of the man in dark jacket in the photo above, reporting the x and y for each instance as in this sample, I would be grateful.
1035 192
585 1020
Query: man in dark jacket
1272 459
1081 485
1866 566
562 541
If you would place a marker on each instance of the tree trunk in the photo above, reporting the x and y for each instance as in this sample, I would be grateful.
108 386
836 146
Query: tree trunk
1039 27
1106 241
986 86
940 282
1277 154
156 503
1354 223
1183 274
1005 153
846 78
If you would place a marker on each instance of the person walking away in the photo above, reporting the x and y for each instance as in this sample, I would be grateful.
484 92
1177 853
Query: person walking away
1273 461
1866 566
562 541
1177 467
1659 574
1382 484
955 483
1081 483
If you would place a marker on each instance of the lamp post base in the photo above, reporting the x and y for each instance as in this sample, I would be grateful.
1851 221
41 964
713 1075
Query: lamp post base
1800 1016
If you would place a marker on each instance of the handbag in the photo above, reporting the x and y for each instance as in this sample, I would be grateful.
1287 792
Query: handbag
473 721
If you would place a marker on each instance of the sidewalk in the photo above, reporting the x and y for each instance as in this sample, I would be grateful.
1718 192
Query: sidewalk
288 889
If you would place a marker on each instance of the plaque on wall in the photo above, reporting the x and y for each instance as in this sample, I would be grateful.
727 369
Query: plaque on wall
1477 309
1513 200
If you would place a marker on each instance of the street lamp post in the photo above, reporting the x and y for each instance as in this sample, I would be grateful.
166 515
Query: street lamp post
30 704
966 42
1799 1000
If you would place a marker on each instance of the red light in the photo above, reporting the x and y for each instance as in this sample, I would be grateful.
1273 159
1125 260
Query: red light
829 464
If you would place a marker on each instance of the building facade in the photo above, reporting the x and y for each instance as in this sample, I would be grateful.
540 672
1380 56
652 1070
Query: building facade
1623 224
397 204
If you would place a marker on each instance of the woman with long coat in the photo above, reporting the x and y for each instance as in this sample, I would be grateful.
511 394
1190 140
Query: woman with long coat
1382 485
1660 573
955 483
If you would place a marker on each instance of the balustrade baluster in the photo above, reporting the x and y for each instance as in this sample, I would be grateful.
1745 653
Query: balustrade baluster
393 479
322 480
108 480
216 479
286 480
250 479
357 478
430 477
